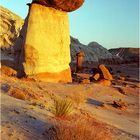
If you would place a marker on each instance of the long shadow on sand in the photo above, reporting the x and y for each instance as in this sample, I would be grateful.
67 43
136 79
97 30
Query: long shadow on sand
94 102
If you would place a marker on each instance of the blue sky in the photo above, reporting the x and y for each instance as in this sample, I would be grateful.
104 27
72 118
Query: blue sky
112 23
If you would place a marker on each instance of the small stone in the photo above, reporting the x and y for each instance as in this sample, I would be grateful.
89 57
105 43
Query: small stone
121 78
126 84
136 85
5 87
120 104
95 77
122 90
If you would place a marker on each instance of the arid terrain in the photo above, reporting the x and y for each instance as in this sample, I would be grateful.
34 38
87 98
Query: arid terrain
27 105
95 106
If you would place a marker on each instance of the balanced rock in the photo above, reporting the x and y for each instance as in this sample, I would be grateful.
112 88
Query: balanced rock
79 62
45 51
105 72
64 5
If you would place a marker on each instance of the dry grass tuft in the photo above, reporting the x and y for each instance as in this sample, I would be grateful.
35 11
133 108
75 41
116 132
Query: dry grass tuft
17 93
62 107
79 129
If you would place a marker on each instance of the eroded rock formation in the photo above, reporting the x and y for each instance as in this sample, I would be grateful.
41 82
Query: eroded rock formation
79 56
64 5
45 47
45 51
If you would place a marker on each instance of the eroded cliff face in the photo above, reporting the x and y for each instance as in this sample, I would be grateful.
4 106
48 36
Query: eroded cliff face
127 54
10 26
45 49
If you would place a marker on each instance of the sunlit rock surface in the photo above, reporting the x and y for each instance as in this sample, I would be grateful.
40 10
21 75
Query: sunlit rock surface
45 50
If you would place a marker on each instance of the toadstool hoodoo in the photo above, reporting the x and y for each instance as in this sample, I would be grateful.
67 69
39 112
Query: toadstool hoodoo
45 47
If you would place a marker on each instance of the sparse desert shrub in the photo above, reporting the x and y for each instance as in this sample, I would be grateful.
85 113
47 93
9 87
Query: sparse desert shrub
79 129
62 107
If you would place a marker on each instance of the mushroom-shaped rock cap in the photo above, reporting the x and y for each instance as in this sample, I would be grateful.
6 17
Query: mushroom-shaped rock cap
65 5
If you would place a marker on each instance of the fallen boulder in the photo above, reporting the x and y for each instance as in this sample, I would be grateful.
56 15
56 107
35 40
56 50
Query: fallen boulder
105 72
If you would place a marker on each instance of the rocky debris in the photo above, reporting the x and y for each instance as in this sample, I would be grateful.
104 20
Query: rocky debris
84 81
136 85
120 104
65 5
8 71
121 78
105 72
101 75
95 77
125 84
122 90
105 82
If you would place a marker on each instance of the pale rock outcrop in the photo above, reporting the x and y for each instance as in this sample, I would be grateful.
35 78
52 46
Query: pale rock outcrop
10 26
45 52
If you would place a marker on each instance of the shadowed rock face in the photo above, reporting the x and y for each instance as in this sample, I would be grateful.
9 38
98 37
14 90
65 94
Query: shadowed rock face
65 5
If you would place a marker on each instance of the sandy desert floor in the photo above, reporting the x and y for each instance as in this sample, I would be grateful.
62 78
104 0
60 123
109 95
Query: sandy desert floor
28 117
